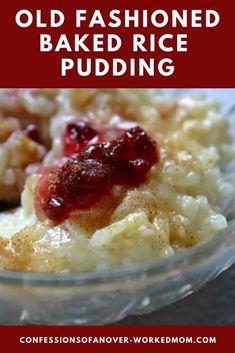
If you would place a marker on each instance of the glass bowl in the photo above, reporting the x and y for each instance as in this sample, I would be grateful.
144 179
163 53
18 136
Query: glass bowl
105 297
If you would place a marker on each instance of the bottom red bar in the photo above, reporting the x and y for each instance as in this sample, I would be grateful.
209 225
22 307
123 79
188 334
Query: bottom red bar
115 338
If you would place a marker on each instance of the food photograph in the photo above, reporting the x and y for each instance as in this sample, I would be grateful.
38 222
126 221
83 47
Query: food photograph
117 206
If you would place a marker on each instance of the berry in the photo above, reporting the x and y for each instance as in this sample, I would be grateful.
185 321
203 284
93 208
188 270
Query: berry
76 136
55 208
96 151
81 133
136 171
132 155
88 175
92 173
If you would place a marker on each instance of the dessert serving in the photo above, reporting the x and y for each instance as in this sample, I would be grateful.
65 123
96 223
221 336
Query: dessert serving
107 178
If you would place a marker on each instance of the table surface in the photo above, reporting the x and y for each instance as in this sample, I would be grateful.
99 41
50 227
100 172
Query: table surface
214 304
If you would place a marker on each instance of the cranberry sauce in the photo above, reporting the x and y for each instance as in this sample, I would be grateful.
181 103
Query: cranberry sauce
94 170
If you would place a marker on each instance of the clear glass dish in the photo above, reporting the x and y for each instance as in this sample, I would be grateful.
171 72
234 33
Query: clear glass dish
105 297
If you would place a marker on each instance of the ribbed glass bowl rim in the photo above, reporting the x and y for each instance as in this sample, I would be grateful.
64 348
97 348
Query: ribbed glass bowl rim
161 267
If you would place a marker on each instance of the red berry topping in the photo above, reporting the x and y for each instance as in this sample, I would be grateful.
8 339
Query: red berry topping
88 175
55 209
132 155
76 136
81 133
84 179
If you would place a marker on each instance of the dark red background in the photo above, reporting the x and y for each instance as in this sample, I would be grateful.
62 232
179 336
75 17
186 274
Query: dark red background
10 339
209 61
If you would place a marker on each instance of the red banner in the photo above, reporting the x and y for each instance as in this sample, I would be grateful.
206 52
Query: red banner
115 339
167 43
